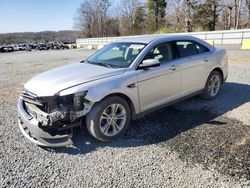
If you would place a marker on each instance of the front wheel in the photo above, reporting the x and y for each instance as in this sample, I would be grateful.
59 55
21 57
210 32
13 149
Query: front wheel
109 118
213 85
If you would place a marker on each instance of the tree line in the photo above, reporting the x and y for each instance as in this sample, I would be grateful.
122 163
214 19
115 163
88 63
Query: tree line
103 18
39 37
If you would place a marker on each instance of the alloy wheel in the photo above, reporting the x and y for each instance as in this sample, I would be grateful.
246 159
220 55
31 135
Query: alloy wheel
113 119
214 85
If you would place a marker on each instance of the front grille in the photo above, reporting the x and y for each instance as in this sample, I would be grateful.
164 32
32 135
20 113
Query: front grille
26 93
31 98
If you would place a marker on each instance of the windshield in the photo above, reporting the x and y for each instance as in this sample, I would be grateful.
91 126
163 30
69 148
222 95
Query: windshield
117 55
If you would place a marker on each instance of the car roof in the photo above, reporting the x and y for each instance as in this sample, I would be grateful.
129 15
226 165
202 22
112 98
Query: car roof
146 39
149 38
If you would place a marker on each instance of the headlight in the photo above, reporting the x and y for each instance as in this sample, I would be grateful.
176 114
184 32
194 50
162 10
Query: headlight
79 100
81 94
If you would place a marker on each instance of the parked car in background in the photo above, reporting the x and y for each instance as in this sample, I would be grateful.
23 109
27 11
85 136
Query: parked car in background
22 47
59 46
64 46
42 46
28 47
33 45
56 46
16 47
70 44
50 45
119 83
6 48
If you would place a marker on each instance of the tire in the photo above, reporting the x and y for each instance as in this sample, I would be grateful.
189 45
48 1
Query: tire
212 89
100 120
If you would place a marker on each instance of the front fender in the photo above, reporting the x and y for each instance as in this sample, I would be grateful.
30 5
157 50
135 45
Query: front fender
99 89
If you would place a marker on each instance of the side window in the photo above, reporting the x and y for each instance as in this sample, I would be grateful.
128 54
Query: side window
201 48
186 48
163 52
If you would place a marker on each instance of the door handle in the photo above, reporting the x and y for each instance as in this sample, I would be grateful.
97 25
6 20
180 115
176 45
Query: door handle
205 59
173 67
131 85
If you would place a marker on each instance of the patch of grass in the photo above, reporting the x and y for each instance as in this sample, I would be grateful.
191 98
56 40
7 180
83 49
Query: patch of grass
164 30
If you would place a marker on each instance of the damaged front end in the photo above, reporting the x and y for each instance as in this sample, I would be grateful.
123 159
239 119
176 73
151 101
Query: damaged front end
49 121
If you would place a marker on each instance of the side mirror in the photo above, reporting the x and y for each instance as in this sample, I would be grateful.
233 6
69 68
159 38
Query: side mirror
149 63
82 61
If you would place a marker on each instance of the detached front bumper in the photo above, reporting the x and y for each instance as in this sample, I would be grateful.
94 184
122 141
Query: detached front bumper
30 129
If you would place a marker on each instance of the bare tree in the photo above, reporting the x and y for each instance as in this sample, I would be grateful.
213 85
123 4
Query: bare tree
175 15
248 8
134 17
177 10
237 9
238 14
93 18
188 27
128 8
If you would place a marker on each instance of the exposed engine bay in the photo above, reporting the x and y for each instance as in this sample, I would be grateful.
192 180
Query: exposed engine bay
57 112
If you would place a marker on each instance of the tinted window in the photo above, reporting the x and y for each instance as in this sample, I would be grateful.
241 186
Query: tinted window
186 48
163 52
189 48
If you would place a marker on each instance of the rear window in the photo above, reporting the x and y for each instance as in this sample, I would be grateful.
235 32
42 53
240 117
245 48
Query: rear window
201 48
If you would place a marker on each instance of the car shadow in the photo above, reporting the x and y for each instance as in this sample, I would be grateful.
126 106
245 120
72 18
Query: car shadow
165 124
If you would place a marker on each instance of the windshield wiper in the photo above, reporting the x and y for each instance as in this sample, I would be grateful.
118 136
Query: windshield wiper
100 64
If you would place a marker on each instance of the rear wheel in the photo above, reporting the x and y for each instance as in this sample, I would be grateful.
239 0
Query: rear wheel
108 119
213 86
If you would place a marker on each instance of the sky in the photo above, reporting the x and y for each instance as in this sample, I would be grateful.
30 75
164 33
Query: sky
37 15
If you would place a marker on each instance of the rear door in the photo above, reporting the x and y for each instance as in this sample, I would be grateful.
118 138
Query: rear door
194 64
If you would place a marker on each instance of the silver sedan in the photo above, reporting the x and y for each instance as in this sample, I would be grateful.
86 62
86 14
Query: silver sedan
119 83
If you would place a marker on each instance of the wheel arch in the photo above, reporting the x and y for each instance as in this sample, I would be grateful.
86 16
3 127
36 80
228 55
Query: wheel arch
127 99
218 69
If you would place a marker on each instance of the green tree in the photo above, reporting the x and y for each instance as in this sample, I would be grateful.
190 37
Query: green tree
156 14
139 24
150 16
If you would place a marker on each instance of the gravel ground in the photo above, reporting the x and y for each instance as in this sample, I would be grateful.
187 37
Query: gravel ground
195 143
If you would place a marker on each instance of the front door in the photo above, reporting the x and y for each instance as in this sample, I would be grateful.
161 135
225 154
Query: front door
159 85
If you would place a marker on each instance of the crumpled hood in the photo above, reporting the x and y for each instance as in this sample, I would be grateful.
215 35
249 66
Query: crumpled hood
55 80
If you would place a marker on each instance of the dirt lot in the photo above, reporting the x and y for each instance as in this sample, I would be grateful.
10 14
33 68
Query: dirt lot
195 143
